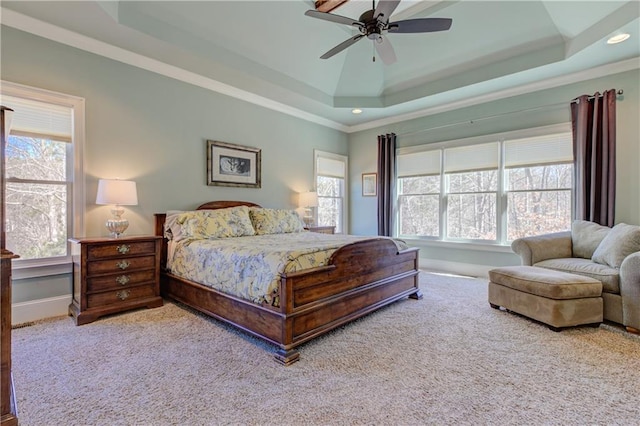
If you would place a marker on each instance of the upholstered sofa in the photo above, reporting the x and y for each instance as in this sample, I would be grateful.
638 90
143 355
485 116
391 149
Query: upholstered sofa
610 255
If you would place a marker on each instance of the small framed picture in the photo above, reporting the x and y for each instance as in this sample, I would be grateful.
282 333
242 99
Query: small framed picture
233 165
369 184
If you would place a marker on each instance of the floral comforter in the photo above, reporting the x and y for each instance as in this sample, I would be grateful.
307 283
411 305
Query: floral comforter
249 267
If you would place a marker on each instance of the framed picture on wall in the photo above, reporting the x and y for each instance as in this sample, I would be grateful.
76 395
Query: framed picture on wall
369 184
233 165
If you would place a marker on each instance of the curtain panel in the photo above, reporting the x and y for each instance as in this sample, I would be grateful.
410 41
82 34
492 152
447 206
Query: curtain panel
386 183
593 120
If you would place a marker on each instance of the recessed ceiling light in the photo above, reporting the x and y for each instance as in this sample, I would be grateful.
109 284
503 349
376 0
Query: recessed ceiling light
618 38
356 111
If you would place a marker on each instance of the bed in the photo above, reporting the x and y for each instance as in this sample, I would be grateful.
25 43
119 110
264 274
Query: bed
356 279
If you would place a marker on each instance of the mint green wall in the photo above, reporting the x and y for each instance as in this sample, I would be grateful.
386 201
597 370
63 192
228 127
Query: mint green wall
150 128
153 129
363 150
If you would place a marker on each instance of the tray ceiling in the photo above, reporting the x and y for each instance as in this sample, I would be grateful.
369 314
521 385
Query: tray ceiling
269 51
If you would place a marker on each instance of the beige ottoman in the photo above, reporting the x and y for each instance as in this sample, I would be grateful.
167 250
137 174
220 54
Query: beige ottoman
558 299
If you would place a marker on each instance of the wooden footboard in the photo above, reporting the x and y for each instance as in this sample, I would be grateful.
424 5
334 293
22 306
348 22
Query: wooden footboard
358 279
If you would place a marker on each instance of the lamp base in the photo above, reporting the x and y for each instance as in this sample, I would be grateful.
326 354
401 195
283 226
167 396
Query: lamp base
117 225
308 217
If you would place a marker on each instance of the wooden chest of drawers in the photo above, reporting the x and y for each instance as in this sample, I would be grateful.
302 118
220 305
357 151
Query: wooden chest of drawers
112 275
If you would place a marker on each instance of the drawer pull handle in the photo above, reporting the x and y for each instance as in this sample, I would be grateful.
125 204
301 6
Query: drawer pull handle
123 294
123 279
123 249
123 264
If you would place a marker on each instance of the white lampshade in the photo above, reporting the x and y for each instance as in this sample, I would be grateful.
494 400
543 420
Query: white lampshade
114 191
308 199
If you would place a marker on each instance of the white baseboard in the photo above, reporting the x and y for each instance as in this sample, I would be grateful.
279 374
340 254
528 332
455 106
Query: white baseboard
34 310
468 269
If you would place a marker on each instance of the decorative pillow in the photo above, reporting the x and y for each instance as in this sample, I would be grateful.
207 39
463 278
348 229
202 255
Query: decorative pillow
212 224
585 237
275 221
619 243
172 229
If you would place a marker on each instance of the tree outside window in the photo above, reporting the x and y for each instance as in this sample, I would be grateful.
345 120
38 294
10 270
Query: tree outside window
37 195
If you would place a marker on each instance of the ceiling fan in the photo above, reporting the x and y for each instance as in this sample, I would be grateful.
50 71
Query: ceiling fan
374 23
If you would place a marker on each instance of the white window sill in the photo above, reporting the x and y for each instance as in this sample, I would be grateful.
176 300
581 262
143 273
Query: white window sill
40 268
419 242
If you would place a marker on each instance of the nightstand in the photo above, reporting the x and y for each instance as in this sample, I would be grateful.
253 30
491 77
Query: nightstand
322 229
113 275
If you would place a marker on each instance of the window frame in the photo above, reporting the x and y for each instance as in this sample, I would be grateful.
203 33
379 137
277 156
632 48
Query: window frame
345 201
502 190
31 268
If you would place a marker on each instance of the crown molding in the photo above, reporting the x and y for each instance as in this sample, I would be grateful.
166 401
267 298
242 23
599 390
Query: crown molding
589 74
55 33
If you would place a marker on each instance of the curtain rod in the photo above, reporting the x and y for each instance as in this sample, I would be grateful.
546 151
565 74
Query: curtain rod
618 93
489 117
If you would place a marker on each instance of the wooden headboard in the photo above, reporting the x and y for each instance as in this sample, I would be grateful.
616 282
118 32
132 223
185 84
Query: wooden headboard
214 205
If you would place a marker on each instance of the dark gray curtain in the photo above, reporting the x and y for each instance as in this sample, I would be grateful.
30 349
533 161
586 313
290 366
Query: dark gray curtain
593 120
386 183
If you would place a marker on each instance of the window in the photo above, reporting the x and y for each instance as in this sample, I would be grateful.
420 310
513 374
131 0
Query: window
42 160
490 189
419 194
331 176
538 182
471 177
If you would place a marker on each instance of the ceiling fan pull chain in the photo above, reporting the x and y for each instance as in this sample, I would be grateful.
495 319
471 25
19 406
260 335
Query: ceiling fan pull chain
373 46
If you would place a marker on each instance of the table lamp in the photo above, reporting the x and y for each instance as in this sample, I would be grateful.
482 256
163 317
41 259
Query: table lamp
119 193
308 200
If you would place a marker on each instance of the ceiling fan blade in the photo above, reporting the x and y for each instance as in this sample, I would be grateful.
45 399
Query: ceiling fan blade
333 18
339 48
385 8
385 50
420 25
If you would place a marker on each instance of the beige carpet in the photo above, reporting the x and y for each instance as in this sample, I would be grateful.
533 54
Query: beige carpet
446 359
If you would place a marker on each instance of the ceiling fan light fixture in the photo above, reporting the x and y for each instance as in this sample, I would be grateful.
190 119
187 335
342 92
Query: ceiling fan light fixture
374 25
619 38
356 111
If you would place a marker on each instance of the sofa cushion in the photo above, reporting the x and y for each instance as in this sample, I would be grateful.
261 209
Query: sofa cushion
608 276
619 243
586 236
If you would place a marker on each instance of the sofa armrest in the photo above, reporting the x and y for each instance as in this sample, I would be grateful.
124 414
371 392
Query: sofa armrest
542 247
630 290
